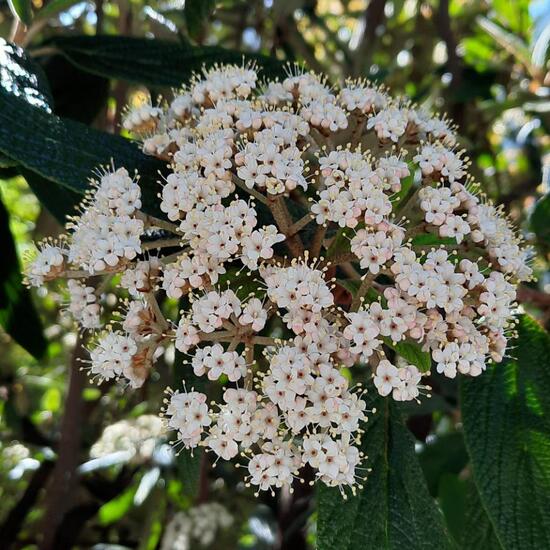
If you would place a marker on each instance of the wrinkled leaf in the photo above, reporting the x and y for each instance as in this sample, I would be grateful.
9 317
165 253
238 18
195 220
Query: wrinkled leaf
506 416
479 533
394 510
61 153
67 152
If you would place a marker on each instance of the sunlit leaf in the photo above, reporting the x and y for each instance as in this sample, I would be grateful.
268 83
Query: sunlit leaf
22 9
118 507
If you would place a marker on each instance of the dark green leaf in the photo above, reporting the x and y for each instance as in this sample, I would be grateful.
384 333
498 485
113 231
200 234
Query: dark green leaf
341 242
60 201
22 9
394 509
22 77
188 464
452 498
153 62
6 162
67 152
445 454
17 314
59 152
196 13
76 94
506 416
478 533
412 352
405 191
540 221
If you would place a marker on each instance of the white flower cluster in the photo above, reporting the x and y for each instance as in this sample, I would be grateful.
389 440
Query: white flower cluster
107 234
83 305
385 195
200 525
302 395
137 436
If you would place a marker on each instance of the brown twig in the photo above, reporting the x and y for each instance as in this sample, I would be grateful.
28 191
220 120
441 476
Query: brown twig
63 482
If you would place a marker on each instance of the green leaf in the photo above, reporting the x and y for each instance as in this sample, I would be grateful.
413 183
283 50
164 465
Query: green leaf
404 192
17 314
196 13
118 507
153 62
60 153
506 416
452 499
67 152
341 242
22 77
478 533
51 400
59 201
509 41
22 9
445 454
188 464
6 162
429 239
539 221
394 510
411 352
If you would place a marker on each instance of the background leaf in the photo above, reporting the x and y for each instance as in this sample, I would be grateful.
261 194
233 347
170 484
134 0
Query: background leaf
17 314
196 12
394 509
153 62
506 415
540 219
22 10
